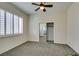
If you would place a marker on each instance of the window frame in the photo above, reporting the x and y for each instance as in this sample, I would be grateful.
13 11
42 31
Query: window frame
4 22
13 34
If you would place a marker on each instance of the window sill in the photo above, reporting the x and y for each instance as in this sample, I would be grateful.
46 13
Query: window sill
8 36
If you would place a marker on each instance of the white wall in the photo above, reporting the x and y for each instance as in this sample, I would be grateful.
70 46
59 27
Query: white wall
59 20
73 26
11 42
34 28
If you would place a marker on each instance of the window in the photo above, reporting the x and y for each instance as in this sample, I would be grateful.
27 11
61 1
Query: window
16 24
20 25
2 22
10 24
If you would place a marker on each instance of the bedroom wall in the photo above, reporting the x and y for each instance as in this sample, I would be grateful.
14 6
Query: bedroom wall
73 26
59 19
11 42
66 30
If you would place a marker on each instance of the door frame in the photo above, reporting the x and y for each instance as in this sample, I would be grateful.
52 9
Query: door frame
47 31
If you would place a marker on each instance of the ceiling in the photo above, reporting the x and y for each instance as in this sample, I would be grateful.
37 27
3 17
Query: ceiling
28 8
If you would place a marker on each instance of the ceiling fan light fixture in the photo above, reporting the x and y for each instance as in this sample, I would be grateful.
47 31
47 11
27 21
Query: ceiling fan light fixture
41 7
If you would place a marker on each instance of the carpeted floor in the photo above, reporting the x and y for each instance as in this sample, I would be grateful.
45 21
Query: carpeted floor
40 49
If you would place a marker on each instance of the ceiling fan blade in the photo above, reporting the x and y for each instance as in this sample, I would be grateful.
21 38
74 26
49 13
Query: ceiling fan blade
35 4
44 10
48 5
37 9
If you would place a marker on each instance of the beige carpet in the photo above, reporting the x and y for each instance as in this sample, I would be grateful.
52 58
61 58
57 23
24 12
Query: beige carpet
40 49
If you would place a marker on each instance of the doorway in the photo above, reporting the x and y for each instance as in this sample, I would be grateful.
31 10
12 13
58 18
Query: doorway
43 32
46 32
50 32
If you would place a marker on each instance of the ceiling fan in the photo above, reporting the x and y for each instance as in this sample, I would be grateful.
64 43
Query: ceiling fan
42 6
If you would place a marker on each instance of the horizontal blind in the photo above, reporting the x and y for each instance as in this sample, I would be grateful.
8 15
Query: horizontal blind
9 23
16 24
20 25
2 22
